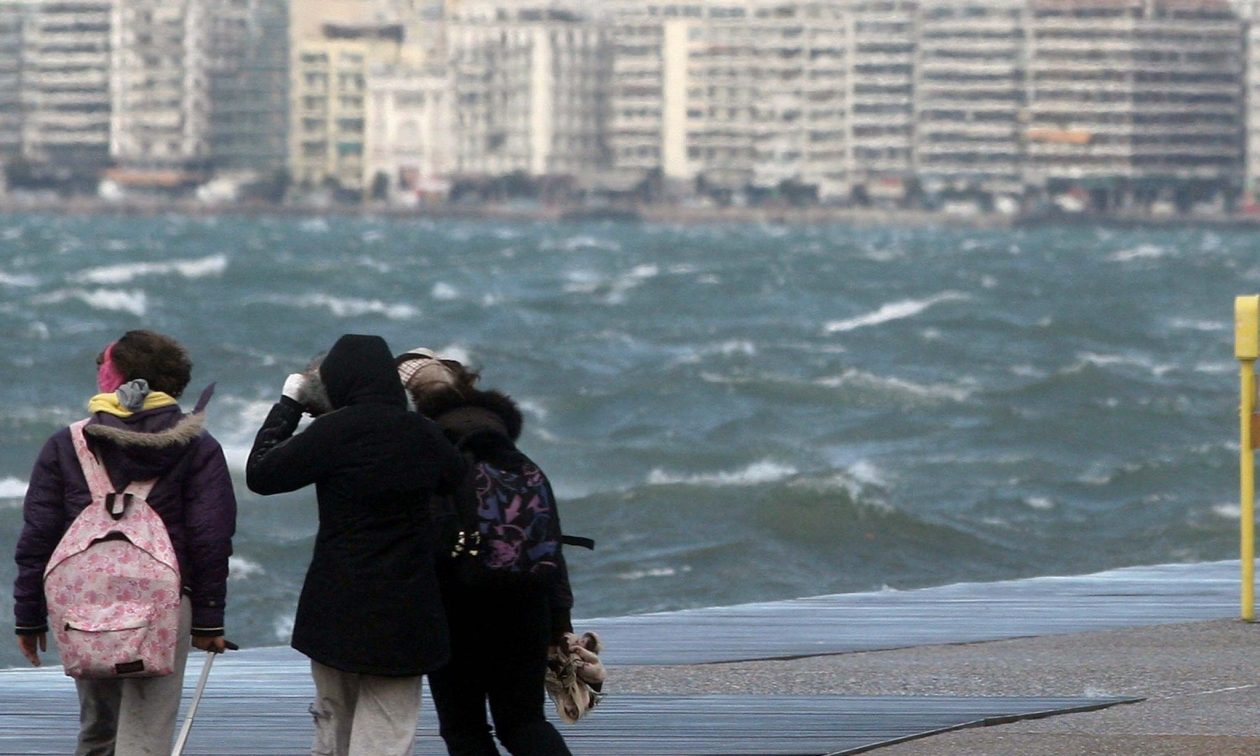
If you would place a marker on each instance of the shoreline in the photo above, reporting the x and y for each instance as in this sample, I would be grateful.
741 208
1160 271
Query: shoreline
652 214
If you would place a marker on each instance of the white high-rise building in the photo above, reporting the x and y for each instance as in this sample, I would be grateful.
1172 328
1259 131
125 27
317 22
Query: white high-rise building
66 87
1129 99
1251 13
969 96
160 86
529 93
12 18
733 94
881 89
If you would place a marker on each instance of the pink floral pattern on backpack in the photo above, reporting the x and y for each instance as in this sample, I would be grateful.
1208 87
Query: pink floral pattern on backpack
113 585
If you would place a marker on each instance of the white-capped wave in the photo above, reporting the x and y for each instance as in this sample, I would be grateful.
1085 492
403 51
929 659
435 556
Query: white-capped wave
134 302
1140 252
580 242
727 348
652 572
1228 510
906 308
1202 326
533 408
444 292
316 225
23 280
240 568
612 288
858 379
347 307
283 628
12 489
1039 502
1216 368
1125 360
203 267
236 422
757 473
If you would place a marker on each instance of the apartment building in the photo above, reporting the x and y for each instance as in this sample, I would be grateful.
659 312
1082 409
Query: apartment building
65 96
159 92
643 68
329 101
969 96
1130 99
248 48
732 94
1250 11
529 93
409 144
881 79
12 17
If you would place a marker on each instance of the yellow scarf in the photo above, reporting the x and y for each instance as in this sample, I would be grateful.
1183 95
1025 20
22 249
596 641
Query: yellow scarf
109 403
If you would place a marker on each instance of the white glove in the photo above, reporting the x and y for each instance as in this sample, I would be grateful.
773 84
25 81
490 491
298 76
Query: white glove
295 388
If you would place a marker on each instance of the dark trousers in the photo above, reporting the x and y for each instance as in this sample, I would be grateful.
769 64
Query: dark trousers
498 654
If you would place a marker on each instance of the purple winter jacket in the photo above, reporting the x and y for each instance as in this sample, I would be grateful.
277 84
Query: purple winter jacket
193 496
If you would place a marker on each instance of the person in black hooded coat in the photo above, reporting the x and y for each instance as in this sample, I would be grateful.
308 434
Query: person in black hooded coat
499 634
370 615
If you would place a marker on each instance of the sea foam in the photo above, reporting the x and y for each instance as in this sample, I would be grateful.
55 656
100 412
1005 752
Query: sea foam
906 308
757 473
214 265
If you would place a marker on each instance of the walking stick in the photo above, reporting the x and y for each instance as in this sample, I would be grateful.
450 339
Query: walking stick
178 750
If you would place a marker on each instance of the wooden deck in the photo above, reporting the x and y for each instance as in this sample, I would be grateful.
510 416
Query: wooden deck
257 699
256 705
963 613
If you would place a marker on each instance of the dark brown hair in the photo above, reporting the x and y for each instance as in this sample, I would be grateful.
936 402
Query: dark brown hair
437 396
158 359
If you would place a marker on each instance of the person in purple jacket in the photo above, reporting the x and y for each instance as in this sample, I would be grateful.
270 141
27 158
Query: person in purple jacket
139 432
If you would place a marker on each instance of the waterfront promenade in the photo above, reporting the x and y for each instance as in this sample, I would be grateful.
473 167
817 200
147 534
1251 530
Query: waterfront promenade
1131 661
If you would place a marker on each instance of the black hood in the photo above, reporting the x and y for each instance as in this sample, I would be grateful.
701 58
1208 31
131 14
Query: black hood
360 370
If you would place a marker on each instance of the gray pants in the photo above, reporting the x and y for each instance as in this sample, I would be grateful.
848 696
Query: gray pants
363 715
133 716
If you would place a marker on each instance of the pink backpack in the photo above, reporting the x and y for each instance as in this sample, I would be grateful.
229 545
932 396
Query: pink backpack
112 584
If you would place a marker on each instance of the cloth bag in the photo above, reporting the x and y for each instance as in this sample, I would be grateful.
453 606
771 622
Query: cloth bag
575 676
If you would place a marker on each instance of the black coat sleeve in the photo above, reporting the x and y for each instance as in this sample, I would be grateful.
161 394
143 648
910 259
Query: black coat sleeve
279 460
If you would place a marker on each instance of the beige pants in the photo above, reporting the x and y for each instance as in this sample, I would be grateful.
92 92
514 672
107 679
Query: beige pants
133 716
363 715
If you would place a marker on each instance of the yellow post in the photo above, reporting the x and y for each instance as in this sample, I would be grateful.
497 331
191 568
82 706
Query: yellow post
1247 349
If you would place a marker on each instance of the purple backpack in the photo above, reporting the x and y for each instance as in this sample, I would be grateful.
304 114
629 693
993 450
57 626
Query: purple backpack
507 527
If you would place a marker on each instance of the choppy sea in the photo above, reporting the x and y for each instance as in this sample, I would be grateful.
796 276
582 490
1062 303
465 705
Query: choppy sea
735 413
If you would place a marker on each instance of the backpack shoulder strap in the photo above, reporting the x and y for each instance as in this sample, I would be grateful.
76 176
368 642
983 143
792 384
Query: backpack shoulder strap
97 476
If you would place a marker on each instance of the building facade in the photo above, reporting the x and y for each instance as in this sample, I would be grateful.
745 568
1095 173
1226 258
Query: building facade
410 140
249 85
969 97
1134 101
529 94
160 92
66 102
329 102
12 19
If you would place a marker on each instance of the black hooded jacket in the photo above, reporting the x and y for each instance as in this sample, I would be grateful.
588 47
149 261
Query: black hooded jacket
370 602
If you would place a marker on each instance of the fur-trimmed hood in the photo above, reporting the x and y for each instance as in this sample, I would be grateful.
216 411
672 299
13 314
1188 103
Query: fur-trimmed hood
475 411
144 445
